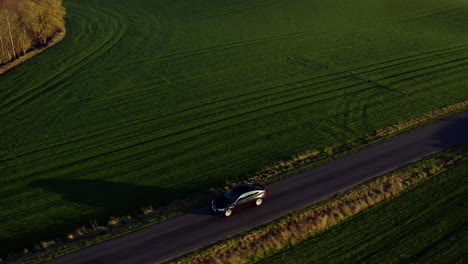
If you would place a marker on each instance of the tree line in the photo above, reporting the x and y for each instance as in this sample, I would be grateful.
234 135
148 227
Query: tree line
27 24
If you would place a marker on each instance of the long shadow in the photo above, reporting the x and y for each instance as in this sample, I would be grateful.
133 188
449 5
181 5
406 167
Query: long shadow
108 198
111 198
104 199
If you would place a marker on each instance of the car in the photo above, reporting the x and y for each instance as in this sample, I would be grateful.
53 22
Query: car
237 197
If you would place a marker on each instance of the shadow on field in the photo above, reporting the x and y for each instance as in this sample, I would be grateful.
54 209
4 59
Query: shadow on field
108 198
104 198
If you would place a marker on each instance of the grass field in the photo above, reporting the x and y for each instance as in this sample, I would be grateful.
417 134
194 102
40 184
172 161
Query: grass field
425 225
145 102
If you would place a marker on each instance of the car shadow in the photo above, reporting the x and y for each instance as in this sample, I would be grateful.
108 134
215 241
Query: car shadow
206 210
455 131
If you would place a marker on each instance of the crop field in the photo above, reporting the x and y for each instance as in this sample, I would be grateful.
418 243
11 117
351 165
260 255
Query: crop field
150 101
431 230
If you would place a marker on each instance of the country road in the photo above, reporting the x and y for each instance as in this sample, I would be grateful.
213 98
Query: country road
196 229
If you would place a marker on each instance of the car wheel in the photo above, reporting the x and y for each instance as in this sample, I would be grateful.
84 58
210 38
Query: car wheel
259 201
228 212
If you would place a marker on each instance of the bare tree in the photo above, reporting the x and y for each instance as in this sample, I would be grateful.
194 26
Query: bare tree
26 23
9 28
5 55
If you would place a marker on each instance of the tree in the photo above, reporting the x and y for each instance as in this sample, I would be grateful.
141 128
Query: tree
42 18
28 23
7 17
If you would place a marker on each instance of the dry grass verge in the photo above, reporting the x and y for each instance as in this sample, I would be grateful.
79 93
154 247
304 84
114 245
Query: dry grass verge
59 35
314 157
422 119
299 226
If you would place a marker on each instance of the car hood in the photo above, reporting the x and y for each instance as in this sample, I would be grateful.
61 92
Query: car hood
222 202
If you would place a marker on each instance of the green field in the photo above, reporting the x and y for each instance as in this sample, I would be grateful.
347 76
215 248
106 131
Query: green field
427 224
145 102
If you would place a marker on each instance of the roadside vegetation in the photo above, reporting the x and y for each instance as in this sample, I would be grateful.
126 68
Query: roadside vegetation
310 158
426 225
372 223
158 101
28 24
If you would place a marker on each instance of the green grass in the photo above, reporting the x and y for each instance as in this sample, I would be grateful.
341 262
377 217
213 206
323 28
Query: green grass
427 224
146 102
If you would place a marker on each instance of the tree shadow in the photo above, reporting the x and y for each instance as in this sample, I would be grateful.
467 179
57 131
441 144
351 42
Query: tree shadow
103 198
108 198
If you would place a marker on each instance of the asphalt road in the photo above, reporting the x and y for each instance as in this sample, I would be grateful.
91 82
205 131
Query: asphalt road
187 232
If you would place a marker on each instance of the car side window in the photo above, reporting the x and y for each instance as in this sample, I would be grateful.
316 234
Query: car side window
247 195
243 196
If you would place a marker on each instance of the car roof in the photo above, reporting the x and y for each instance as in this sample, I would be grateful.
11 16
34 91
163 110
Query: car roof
247 188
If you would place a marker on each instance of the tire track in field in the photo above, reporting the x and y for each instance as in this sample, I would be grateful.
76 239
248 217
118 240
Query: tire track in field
252 5
434 56
276 107
112 141
423 70
216 121
301 81
295 89
422 84
92 53
220 47
338 28
118 139
343 74
434 12
123 156
144 153
413 58
420 72
238 8
279 95
142 122
360 73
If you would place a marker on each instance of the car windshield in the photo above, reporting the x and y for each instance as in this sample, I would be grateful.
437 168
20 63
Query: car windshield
231 195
